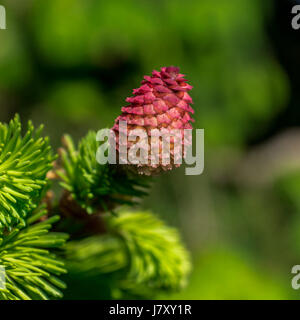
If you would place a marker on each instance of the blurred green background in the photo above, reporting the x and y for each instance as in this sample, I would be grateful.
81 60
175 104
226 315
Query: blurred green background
71 64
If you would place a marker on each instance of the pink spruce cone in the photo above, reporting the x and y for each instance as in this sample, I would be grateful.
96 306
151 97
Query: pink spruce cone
161 102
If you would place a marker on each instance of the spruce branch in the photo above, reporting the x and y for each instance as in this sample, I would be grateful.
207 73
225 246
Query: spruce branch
147 254
24 163
158 260
95 255
31 270
140 255
96 188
